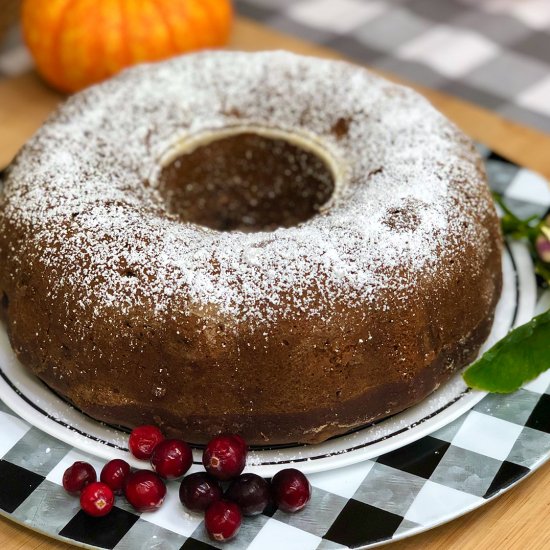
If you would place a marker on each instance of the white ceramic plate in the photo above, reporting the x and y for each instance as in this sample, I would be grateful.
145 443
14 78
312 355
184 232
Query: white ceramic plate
35 403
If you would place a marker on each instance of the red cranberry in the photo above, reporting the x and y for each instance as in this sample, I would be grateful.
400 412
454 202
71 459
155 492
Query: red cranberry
145 490
143 441
222 520
291 490
114 474
78 476
251 492
198 491
172 458
225 456
97 499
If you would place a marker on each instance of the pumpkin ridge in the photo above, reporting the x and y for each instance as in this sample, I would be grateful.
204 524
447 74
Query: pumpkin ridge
97 42
226 16
195 21
159 8
126 53
56 65
199 22
212 19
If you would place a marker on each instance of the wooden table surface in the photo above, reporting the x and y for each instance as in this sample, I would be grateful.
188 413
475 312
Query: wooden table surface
518 519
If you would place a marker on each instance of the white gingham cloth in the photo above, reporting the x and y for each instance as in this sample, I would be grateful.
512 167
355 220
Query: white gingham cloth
495 53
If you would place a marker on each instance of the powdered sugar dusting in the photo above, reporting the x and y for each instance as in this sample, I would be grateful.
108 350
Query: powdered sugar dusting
82 195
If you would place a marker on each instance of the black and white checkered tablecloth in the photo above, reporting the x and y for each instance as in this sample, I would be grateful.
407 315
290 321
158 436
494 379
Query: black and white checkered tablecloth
495 53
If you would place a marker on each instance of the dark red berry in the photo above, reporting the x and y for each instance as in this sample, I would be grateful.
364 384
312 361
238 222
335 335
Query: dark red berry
97 499
114 474
145 490
238 439
198 491
222 520
291 490
251 492
172 458
225 456
77 476
143 441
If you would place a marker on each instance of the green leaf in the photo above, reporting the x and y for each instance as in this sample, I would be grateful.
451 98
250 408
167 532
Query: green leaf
543 269
516 227
519 357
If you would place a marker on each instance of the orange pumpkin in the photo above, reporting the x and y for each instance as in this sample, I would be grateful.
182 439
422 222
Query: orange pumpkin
76 43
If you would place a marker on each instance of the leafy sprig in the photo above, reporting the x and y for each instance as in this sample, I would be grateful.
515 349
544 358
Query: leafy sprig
535 231
524 352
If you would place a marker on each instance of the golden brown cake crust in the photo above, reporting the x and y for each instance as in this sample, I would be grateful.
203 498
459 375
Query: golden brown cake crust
135 315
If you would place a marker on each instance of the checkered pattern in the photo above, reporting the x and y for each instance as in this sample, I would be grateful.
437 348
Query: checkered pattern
433 480
492 52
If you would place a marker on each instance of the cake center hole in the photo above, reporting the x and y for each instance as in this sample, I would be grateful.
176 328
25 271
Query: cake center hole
246 182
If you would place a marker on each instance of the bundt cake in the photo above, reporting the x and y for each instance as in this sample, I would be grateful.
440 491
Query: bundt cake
273 245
